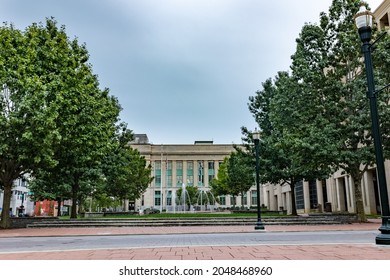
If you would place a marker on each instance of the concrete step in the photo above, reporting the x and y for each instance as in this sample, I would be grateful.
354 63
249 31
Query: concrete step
153 222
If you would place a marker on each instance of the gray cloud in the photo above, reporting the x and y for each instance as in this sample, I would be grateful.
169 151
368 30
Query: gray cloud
182 69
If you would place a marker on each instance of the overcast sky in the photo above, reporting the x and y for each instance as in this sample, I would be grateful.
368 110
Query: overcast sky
183 70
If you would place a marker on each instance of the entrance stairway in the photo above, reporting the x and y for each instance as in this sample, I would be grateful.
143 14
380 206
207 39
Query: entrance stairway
223 221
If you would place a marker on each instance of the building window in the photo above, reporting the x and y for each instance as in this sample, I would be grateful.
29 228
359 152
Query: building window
190 180
179 180
211 170
299 198
324 192
254 198
313 194
245 199
157 173
179 173
157 198
233 201
169 198
190 173
222 200
384 22
200 173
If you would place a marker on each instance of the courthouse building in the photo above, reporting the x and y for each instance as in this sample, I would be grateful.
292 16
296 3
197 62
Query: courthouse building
175 166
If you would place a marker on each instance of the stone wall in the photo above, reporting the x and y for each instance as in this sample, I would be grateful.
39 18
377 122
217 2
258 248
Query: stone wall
22 222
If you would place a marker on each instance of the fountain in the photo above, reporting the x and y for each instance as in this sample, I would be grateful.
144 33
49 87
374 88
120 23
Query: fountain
205 199
183 201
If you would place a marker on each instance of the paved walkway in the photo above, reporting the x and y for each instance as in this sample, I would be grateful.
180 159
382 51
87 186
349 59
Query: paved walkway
260 252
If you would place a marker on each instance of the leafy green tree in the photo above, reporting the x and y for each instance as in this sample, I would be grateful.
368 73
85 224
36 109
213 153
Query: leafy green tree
87 123
49 185
219 185
126 171
101 200
29 106
317 117
48 76
240 170
334 80
235 176
285 154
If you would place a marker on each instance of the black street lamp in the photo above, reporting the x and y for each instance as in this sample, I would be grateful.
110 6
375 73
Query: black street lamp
363 21
256 138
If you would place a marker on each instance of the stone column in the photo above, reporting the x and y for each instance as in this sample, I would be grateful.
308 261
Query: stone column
306 196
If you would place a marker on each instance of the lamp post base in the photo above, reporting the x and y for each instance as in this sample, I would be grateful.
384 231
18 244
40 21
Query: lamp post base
384 237
259 226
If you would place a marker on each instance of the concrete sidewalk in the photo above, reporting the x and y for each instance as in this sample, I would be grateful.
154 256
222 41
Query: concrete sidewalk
260 252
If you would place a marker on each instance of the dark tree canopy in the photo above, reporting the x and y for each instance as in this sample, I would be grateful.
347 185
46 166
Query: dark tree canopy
235 175
126 172
55 120
315 120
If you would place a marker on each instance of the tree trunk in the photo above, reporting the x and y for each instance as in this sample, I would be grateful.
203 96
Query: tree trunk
357 182
59 206
5 215
293 203
125 204
75 188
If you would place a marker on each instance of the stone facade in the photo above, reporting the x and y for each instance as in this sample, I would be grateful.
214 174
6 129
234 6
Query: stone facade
177 165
